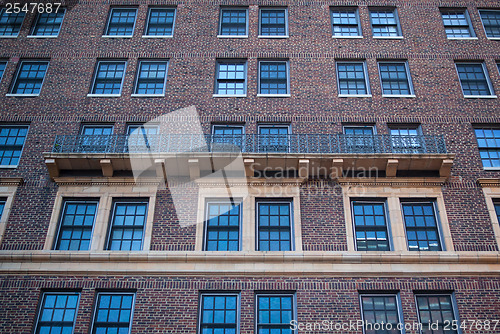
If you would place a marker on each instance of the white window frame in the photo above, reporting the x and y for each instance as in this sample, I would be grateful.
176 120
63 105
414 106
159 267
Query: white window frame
288 88
467 18
356 9
367 80
105 35
146 26
31 35
218 293
96 304
289 202
42 298
139 63
219 32
125 200
14 80
488 80
208 202
454 306
408 76
484 28
382 201
286 35
95 77
396 17
275 293
383 294
22 23
230 61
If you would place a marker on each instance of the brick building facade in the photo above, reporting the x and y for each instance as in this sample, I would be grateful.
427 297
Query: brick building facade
325 90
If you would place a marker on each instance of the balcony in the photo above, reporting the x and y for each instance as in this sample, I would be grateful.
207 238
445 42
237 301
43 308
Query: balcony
313 154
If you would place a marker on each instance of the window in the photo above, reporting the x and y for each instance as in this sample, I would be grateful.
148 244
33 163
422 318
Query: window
29 77
345 22
385 23
227 137
457 23
274 138
3 64
113 313
273 78
352 78
274 313
75 226
370 225
406 139
274 226
497 210
421 226
108 78
48 24
12 138
10 23
358 139
488 142
273 22
3 201
491 22
151 77
380 309
127 226
142 138
160 22
222 227
142 130
57 313
233 22
219 313
395 79
231 78
121 22
474 79
95 138
438 308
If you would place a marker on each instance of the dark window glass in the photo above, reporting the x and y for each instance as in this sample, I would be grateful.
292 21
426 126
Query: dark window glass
222 227
456 23
231 78
227 138
2 206
491 22
421 227
273 77
273 22
10 24
381 310
121 22
275 226
497 211
352 80
274 314
127 226
358 139
109 77
384 22
95 138
488 142
49 24
160 22
406 140
233 22
3 64
371 226
151 77
75 227
273 139
434 309
29 78
394 78
219 314
113 313
57 313
345 22
11 144
473 79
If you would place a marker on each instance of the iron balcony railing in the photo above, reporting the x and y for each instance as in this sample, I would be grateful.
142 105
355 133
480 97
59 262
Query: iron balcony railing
250 143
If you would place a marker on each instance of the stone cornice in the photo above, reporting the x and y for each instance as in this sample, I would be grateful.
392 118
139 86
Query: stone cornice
106 181
11 181
489 182
395 182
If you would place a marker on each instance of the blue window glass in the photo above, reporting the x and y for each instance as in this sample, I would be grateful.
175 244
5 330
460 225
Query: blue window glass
385 23
273 138
227 138
49 24
219 314
345 22
29 78
233 22
395 78
222 227
113 313
95 138
491 22
127 226
12 140
109 77
421 227
274 313
121 22
160 22
57 313
10 23
75 227
352 78
151 78
456 23
275 226
231 78
473 79
370 226
273 22
3 64
273 77
488 142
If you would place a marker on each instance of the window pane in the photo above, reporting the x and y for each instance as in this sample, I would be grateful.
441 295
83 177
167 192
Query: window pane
57 313
30 77
219 313
231 78
160 22
151 77
394 79
227 138
488 140
49 24
473 79
108 78
378 311
384 23
352 79
121 22
76 225
11 144
434 309
222 227
273 78
274 313
113 313
491 22
370 226
10 23
345 22
129 220
456 23
406 140
421 227
273 22
233 22
274 227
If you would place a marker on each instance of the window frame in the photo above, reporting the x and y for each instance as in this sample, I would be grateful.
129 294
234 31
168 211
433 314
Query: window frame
454 306
408 78
37 20
492 94
119 200
399 306
108 22
4 62
489 127
275 125
288 88
146 25
16 78
215 294
346 9
405 126
465 12
482 21
388 229
22 148
40 307
439 227
237 202
365 71
96 73
394 10
266 200
2 11
269 8
138 73
96 305
274 294
223 8
217 70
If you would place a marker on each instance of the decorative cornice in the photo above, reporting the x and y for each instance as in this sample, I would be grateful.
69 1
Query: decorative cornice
394 182
11 181
489 182
107 181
